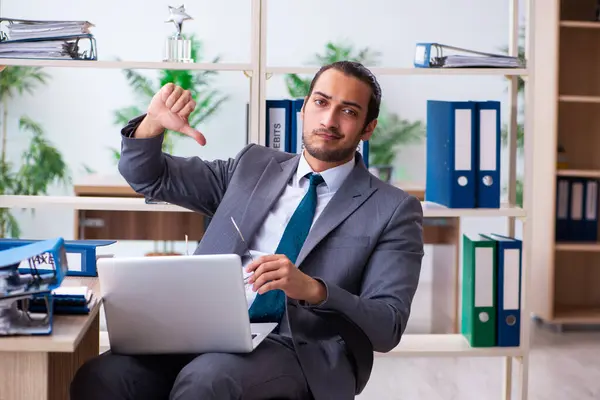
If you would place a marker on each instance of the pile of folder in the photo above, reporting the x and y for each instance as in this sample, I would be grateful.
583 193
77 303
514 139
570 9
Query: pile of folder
491 291
66 300
463 154
576 209
437 55
37 39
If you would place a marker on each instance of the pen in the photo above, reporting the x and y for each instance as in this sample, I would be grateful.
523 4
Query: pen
245 244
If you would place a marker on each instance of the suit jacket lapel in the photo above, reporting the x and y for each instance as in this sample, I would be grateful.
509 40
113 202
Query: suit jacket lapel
355 190
267 191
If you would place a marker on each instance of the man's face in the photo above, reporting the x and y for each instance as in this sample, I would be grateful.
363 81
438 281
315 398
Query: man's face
334 116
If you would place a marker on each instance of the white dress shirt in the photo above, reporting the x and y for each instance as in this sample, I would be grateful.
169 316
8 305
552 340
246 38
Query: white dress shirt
269 234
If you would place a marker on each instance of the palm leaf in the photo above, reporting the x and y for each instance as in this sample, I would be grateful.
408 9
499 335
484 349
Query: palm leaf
42 164
123 116
297 87
20 80
140 84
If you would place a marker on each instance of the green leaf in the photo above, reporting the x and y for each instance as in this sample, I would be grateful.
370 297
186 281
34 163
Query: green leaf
42 164
390 134
520 136
297 87
21 80
141 85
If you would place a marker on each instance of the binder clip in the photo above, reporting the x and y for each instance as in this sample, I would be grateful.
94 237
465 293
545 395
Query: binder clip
47 265
431 55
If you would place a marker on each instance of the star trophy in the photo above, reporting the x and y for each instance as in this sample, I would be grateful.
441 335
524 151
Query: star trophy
178 49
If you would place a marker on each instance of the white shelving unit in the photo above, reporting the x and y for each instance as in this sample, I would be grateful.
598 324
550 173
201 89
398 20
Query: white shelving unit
258 72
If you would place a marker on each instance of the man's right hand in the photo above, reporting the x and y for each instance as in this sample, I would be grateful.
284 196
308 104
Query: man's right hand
169 109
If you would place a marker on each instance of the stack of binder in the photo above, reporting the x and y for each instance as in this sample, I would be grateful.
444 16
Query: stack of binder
66 300
463 154
284 127
437 55
576 209
491 292
69 40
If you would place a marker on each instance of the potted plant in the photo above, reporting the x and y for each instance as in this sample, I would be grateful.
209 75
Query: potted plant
391 132
41 164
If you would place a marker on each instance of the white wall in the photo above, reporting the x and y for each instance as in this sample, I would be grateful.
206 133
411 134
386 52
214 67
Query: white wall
76 107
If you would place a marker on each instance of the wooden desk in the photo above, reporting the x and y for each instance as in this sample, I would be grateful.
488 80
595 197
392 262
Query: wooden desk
42 367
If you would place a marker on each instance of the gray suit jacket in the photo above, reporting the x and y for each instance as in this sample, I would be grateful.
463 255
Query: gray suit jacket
366 247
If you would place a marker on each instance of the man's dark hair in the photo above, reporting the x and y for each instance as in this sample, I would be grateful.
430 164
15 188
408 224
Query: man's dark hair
359 71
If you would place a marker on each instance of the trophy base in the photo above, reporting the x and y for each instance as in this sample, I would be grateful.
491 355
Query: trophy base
178 50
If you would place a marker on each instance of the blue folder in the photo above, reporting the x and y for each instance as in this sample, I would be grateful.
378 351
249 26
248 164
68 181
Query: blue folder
296 144
451 153
488 154
278 124
563 209
80 253
508 290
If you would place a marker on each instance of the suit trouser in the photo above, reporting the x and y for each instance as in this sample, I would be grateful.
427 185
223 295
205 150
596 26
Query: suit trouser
272 370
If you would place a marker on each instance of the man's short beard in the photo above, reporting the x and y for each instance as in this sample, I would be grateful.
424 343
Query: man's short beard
335 155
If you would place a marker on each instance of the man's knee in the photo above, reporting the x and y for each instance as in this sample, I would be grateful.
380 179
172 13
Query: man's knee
95 378
207 377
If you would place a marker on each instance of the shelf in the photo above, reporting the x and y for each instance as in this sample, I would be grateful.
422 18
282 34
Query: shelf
576 122
85 203
579 173
421 345
577 246
580 24
410 71
577 315
579 99
430 210
126 64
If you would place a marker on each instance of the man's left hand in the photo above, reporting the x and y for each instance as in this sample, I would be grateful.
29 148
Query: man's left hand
278 272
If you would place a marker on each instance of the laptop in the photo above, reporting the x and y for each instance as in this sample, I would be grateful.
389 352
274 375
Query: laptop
178 304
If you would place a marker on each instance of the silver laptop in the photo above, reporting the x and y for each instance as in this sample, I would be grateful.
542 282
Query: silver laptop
178 304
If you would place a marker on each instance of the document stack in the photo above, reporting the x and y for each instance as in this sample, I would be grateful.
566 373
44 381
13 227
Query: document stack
18 288
61 40
491 292
67 300
432 55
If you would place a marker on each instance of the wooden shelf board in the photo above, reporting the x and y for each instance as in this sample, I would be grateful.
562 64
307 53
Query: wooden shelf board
583 173
579 99
580 24
126 64
592 247
577 315
431 210
411 71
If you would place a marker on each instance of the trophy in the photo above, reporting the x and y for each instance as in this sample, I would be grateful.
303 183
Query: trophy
178 49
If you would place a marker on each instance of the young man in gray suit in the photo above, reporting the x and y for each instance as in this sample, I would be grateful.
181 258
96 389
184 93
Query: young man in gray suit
342 251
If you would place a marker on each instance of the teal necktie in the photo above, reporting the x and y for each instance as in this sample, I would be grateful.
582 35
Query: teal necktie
269 307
